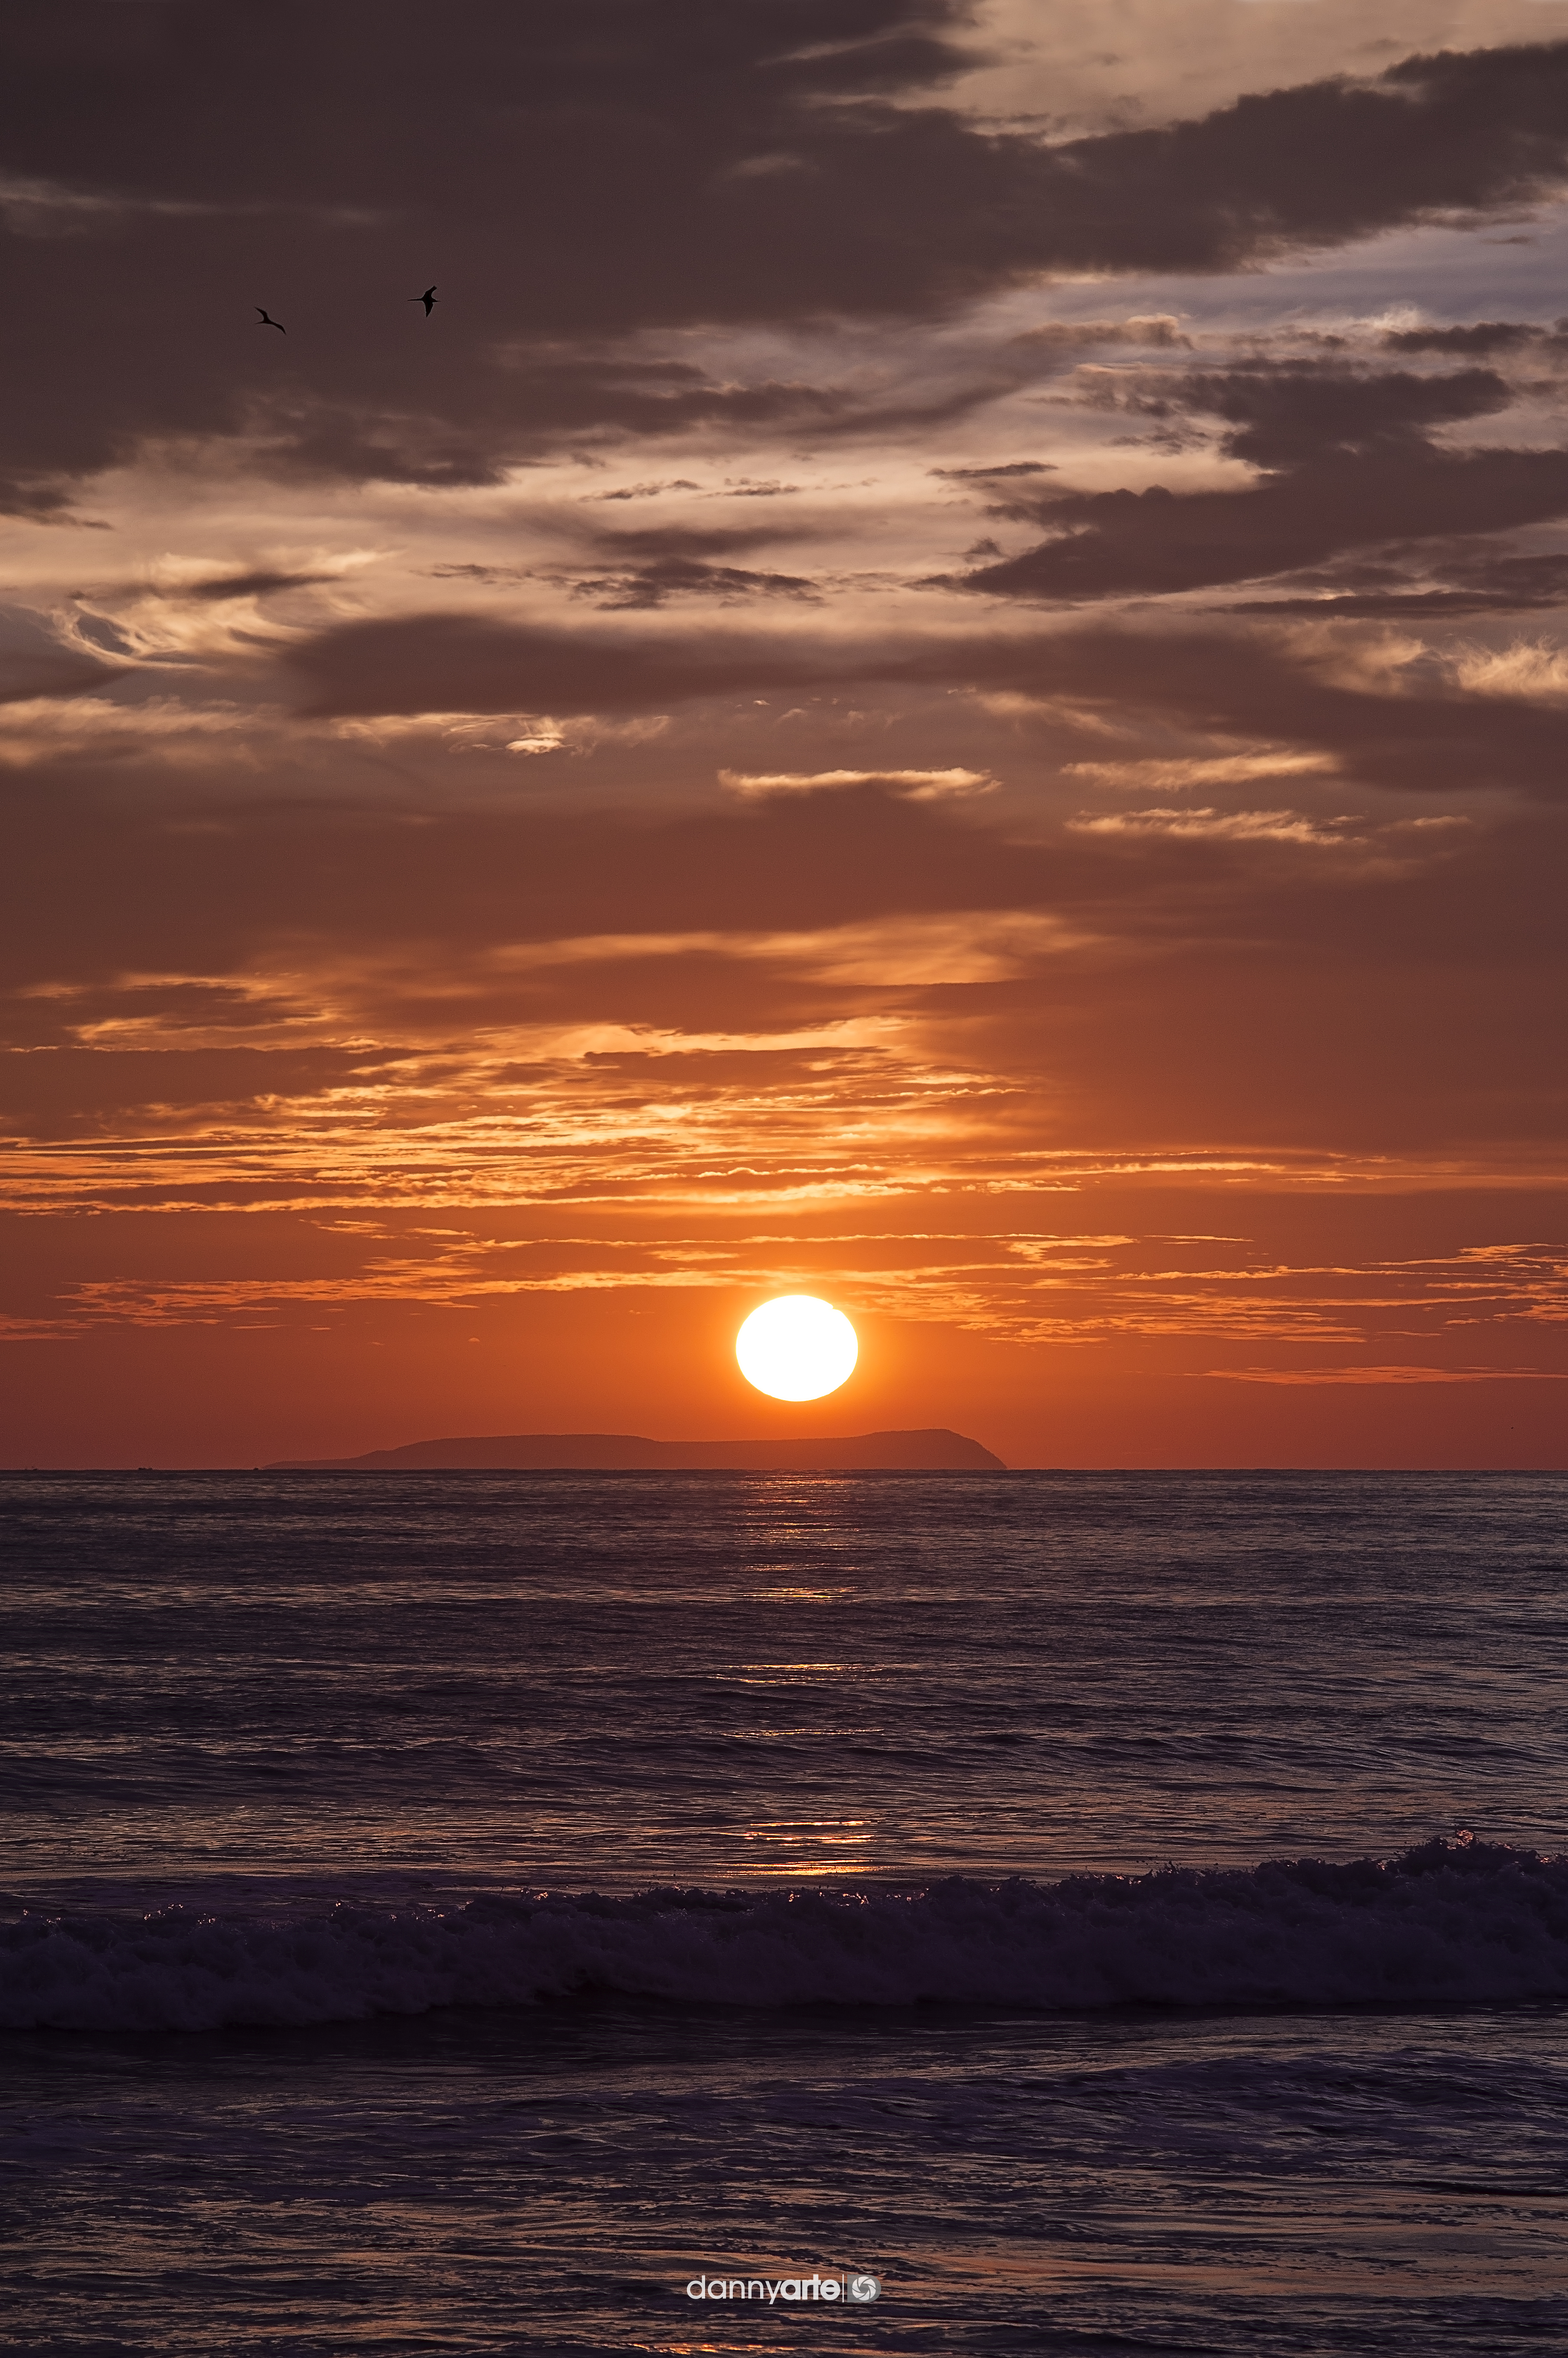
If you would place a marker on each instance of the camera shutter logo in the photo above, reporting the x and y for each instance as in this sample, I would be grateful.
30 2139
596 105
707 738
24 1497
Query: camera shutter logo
863 2287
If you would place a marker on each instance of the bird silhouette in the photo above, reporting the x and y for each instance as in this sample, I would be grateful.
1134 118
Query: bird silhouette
428 298
265 322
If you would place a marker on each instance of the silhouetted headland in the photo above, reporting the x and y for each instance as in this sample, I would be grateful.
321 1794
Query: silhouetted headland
934 1451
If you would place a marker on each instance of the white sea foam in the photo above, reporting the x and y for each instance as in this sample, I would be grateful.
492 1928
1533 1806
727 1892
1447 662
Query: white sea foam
1450 1923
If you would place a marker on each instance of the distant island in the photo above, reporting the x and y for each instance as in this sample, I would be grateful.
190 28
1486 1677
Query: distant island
935 1451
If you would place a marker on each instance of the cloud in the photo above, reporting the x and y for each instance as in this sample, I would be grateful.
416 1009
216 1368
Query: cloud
182 885
1348 464
918 785
1159 543
682 577
1072 336
261 584
470 663
702 167
654 565
1370 713
1297 413
45 727
1377 728
1391 1375
646 491
1481 337
1441 582
1012 469
38 660
1168 775
536 1049
1535 669
1223 827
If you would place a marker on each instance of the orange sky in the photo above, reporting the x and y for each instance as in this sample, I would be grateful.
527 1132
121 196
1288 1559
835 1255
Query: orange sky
939 679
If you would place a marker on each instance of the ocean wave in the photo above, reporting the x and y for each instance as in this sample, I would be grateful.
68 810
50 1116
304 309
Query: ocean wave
1460 1922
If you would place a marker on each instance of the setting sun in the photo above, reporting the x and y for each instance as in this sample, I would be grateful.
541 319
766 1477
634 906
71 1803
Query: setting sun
796 1347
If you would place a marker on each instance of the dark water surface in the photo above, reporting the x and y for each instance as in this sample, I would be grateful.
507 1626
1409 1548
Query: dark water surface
320 2041
614 1681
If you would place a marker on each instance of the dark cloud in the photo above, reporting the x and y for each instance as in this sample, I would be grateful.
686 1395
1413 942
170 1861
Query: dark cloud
1155 543
1013 467
1478 580
1348 463
1290 415
1070 337
646 491
477 573
645 570
469 663
654 543
60 1089
253 585
662 579
649 568
1450 134
1485 336
1416 736
577 176
152 894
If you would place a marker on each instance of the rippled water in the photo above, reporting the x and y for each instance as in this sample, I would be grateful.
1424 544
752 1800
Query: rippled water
633 1679
284 1752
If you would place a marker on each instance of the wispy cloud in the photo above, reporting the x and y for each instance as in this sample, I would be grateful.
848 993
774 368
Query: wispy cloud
1395 1375
1145 774
1217 826
919 785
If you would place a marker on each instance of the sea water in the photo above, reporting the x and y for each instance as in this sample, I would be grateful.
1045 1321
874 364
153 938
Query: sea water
453 1913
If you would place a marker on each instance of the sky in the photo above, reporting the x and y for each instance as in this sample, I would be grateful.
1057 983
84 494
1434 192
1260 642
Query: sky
937 678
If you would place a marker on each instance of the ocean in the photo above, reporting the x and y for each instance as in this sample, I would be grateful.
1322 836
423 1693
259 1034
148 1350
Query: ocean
575 1912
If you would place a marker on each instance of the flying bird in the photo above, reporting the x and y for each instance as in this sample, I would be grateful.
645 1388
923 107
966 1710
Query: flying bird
266 322
428 298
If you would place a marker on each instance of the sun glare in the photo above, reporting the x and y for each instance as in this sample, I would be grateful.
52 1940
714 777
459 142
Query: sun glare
796 1348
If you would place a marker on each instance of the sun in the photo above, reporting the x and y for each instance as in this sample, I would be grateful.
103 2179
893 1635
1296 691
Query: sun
796 1347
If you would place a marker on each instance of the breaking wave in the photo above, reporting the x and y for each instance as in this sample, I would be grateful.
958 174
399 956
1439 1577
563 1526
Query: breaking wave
1450 1923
